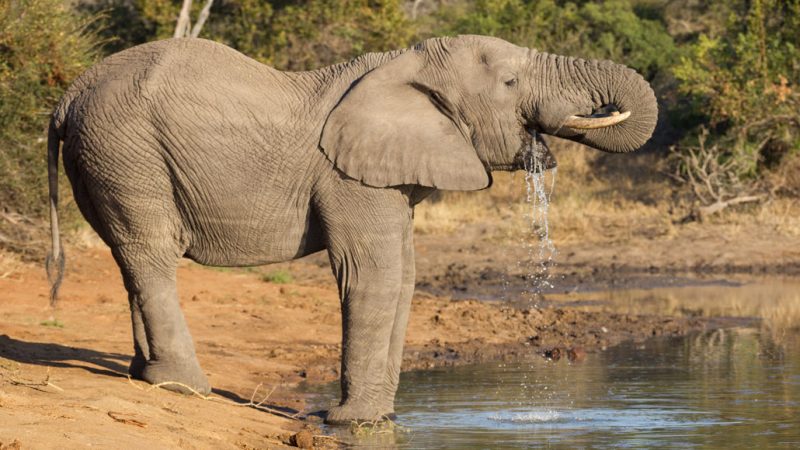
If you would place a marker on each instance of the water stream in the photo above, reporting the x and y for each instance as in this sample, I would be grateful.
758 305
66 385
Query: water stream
541 250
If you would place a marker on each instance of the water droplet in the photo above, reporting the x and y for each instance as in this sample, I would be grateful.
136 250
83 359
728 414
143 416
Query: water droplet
541 249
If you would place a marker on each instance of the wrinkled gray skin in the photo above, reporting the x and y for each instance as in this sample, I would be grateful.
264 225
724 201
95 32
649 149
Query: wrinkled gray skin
187 148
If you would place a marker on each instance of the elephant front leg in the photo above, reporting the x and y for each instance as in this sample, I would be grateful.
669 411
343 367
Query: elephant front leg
369 306
367 261
398 336
365 230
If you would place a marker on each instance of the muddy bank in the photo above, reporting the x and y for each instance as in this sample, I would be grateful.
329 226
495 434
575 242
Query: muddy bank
63 383
475 263
521 333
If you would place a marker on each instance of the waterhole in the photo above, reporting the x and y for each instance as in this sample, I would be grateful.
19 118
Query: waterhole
727 388
730 388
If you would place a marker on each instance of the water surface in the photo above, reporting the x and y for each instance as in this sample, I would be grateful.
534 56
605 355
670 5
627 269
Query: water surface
735 388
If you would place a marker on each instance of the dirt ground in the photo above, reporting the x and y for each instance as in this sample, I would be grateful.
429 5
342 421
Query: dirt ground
63 380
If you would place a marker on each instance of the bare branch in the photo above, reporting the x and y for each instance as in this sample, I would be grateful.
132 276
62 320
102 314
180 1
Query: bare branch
414 9
201 19
183 20
704 212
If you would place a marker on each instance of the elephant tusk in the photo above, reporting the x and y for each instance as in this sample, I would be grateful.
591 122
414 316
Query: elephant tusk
598 121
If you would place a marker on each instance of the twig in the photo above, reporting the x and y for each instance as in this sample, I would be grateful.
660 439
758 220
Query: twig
35 384
260 405
118 418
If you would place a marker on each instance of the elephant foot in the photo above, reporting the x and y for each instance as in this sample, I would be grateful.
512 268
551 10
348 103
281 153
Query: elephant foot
136 368
356 413
177 376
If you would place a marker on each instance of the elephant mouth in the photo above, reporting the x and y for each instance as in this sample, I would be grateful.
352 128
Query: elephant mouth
535 155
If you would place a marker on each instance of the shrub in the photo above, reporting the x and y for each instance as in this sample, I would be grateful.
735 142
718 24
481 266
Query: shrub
43 46
296 35
607 30
740 86
316 33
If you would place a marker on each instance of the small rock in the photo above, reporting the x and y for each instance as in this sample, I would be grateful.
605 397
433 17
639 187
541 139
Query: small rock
553 354
303 439
576 354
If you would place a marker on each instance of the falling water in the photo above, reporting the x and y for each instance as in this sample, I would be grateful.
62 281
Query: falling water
536 265
541 250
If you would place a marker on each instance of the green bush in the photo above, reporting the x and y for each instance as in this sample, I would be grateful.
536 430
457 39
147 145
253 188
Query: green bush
298 35
740 86
607 30
132 22
43 46
305 34
316 33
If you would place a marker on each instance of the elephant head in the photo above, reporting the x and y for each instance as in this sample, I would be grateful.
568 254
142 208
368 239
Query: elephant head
448 111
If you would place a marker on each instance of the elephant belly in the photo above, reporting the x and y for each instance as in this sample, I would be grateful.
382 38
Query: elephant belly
242 238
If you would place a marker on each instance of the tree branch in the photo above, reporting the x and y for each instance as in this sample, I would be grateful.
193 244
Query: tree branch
201 19
183 20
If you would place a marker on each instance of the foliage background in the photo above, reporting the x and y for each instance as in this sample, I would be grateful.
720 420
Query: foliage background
725 72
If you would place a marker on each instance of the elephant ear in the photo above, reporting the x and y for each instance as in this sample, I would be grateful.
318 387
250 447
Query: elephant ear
391 129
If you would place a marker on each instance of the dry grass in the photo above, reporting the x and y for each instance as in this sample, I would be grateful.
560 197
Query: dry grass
28 251
598 197
780 216
11 264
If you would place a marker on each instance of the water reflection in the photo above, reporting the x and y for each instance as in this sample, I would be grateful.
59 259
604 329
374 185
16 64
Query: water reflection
775 301
727 388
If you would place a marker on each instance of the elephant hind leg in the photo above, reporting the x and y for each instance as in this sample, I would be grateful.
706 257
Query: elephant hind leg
141 351
164 351
128 196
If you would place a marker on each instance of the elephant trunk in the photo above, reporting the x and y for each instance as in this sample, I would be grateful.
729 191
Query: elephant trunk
598 103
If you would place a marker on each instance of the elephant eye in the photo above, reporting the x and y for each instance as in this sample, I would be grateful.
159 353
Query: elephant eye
511 82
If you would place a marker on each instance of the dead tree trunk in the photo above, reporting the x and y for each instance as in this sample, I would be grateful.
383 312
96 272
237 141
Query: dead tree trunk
183 28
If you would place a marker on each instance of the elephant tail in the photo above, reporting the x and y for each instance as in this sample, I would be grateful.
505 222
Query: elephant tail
54 264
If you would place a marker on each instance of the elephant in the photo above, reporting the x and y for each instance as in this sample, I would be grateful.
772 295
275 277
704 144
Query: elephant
186 148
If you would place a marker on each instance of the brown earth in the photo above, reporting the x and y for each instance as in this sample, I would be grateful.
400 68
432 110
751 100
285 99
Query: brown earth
63 382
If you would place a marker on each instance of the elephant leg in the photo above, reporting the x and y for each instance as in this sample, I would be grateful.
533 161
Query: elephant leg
398 336
164 351
141 351
369 273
